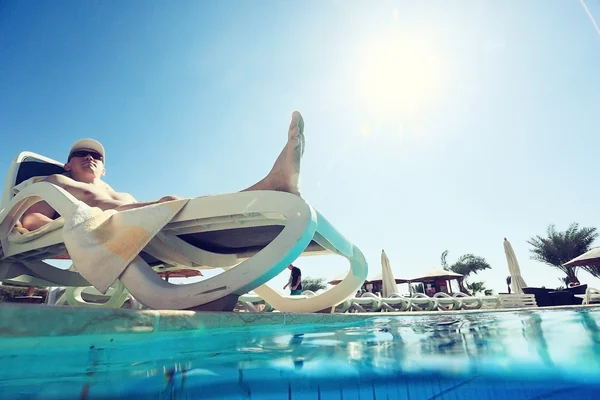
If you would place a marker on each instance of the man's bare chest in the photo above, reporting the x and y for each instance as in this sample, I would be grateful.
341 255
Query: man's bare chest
87 192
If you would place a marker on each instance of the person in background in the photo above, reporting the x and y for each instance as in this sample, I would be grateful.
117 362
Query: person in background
295 282
429 289
574 282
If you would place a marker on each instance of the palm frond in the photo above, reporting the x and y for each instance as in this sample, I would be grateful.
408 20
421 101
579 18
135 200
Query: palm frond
313 284
443 260
476 287
593 269
559 247
468 264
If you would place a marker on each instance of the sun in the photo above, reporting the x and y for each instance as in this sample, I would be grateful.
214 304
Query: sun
399 76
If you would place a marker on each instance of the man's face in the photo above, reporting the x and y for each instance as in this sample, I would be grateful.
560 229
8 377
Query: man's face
85 162
290 266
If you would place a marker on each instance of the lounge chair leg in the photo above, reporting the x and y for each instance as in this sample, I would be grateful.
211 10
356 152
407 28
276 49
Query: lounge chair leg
226 303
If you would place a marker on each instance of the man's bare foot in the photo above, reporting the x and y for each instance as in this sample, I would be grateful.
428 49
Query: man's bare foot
285 174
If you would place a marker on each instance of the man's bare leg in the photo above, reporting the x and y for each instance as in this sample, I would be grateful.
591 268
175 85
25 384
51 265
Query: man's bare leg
285 173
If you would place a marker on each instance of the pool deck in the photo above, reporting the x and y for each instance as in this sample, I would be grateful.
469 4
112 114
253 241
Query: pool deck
28 320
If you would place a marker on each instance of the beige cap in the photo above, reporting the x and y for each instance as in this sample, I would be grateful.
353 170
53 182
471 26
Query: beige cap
88 144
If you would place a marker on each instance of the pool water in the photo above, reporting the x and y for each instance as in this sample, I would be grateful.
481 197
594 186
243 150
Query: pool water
541 354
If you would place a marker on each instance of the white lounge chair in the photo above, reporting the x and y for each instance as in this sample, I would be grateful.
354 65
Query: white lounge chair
116 297
422 302
591 296
253 235
445 302
517 300
368 302
395 303
250 301
89 296
471 302
253 303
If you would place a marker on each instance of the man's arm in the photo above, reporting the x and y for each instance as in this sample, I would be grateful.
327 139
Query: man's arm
145 203
288 284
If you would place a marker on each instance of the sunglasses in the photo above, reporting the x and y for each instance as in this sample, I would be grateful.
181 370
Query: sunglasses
84 153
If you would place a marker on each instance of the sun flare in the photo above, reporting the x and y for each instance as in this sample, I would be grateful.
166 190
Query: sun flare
399 77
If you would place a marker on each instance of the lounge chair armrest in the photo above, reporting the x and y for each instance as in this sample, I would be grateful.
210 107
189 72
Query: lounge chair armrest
55 196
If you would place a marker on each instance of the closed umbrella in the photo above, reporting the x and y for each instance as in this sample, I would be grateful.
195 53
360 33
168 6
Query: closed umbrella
517 282
387 276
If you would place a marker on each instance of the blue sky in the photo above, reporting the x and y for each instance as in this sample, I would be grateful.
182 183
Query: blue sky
430 125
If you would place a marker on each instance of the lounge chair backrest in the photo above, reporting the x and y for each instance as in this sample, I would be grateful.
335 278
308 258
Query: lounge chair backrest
27 165
542 295
517 300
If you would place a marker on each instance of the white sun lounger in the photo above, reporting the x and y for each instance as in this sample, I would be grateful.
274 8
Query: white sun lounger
250 301
116 296
591 296
82 296
468 302
368 302
254 235
517 300
395 303
445 302
422 302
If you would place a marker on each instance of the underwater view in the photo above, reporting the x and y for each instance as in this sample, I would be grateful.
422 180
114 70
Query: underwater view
507 355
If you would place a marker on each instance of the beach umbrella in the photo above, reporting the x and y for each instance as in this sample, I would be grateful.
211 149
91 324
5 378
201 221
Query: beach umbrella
436 273
379 279
587 259
387 276
517 282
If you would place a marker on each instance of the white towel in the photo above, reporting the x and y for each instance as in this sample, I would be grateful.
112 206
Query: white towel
102 243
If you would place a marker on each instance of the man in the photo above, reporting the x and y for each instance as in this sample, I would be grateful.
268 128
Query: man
85 168
295 282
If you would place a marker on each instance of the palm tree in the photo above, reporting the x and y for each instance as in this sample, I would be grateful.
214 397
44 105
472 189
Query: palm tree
466 265
313 284
418 288
559 247
593 269
476 287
